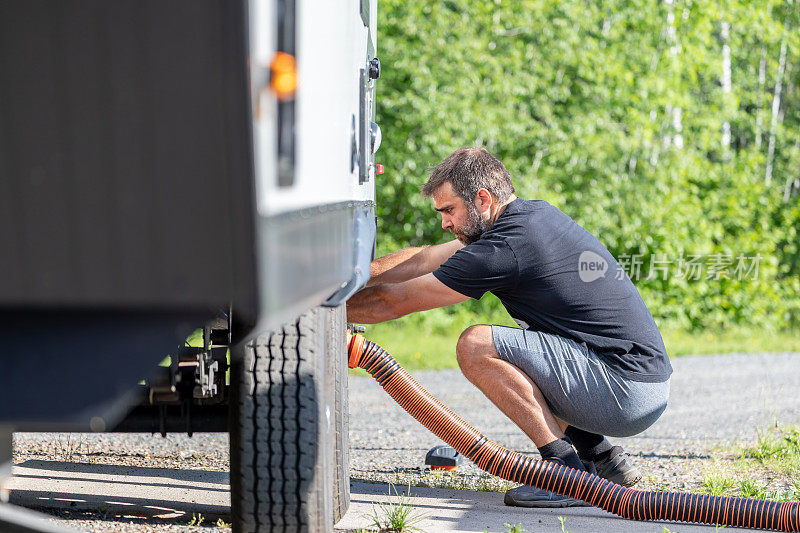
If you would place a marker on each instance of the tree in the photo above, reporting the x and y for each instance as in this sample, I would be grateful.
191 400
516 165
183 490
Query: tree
614 112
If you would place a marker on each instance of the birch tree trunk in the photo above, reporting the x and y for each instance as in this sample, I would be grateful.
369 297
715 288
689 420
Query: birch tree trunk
762 80
726 87
791 181
776 107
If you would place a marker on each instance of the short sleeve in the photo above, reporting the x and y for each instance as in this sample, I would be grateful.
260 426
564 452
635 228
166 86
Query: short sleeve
485 265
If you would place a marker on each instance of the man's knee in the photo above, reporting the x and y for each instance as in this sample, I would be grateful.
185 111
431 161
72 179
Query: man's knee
474 346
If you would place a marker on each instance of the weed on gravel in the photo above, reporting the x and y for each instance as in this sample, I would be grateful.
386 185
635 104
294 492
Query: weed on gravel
66 447
467 477
778 450
717 480
768 469
515 528
752 488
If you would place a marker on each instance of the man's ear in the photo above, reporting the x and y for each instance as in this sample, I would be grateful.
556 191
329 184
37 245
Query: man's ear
483 200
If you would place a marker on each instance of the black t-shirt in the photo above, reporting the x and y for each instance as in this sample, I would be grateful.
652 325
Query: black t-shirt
554 276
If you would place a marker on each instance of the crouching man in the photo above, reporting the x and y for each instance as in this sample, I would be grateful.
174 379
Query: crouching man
588 360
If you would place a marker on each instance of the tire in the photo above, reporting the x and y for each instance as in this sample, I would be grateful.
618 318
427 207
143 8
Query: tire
337 363
282 432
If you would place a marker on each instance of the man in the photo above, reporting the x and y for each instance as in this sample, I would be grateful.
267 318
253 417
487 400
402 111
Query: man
589 360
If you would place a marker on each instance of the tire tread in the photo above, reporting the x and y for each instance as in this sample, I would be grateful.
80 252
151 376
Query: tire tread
283 477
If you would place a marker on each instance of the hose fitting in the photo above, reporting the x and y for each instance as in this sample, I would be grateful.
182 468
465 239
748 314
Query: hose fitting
512 466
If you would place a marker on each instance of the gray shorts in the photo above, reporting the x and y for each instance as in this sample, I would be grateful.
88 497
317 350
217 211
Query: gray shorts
578 386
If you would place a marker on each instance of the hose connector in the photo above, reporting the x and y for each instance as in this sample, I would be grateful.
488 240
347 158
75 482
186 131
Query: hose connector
355 349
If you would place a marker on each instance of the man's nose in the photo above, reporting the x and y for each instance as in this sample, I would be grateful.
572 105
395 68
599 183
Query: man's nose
446 223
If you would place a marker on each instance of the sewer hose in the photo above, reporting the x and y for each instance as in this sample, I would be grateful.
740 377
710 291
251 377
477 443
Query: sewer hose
499 461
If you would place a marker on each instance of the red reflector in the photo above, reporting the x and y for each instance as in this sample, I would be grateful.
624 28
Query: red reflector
447 468
378 168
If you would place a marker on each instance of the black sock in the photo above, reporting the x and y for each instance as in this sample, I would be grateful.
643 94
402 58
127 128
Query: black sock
591 447
562 449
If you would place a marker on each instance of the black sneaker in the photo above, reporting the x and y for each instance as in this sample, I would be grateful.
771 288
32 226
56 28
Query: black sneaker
618 469
525 496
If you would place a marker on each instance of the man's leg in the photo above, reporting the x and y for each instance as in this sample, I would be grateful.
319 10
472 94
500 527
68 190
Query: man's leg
592 399
513 392
590 446
506 386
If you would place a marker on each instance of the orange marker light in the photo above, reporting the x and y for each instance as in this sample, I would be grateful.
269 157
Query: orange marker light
283 75
378 168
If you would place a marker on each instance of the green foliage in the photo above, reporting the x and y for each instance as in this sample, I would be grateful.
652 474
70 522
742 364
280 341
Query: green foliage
613 111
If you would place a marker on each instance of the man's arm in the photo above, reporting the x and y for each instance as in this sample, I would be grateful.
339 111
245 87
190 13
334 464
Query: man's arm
410 263
393 300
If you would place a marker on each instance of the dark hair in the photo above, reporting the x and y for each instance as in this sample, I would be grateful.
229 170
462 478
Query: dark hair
470 169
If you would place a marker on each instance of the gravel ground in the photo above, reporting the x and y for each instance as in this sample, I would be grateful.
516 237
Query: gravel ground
203 451
208 451
715 401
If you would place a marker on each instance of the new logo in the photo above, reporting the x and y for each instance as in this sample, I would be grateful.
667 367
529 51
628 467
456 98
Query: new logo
591 266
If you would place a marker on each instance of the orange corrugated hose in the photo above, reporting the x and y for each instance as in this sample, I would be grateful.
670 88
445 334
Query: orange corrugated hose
512 466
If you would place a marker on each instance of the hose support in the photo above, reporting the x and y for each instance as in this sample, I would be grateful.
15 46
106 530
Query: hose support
509 465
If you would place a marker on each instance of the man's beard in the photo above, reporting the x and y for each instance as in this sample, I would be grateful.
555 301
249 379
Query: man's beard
473 228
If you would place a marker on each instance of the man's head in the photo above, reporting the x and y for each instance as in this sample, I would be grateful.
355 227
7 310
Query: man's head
467 188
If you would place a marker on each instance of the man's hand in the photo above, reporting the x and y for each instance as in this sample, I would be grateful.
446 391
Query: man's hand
410 263
388 301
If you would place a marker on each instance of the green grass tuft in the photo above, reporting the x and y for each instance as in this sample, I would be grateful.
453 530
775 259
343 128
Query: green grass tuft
717 482
751 488
516 528
778 450
396 516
